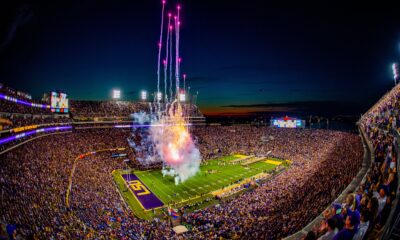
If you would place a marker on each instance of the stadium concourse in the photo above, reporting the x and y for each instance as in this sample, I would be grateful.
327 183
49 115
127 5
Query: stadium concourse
35 171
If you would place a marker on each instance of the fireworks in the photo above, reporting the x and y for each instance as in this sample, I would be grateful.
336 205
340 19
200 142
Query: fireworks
175 145
160 46
169 137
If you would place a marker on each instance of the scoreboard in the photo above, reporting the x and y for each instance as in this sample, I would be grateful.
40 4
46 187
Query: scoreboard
287 122
59 102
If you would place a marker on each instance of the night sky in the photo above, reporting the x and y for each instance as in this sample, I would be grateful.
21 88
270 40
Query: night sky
241 56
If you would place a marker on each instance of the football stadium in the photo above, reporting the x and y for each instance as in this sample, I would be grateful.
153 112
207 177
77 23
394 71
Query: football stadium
217 178
103 135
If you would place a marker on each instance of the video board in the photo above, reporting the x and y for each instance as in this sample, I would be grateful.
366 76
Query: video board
59 102
287 123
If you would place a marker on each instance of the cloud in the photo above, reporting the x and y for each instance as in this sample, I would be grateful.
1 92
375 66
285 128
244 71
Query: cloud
296 107
284 104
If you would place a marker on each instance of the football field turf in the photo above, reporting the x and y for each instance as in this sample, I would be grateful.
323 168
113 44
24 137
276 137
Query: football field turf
213 175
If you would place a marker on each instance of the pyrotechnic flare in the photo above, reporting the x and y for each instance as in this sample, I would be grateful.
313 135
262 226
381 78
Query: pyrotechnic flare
175 145
170 62
179 68
169 132
176 18
184 82
165 79
166 57
160 46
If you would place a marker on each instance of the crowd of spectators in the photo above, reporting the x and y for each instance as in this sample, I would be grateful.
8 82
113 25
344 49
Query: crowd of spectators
12 107
92 109
324 163
364 212
385 114
7 106
118 109
6 90
21 120
34 180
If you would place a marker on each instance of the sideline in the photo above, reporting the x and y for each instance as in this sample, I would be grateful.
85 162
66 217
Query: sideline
82 156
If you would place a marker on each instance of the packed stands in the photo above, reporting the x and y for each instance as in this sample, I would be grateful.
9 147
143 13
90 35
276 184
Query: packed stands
284 204
20 120
13 101
34 180
368 212
114 109
6 90
92 109
44 166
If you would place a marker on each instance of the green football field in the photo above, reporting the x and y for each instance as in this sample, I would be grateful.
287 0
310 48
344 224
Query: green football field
214 175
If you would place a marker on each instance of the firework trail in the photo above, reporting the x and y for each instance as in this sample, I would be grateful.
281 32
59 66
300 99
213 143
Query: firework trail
165 80
177 23
160 47
166 61
184 82
170 62
164 134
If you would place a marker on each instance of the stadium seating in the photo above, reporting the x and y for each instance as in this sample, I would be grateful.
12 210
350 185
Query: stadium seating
374 201
35 177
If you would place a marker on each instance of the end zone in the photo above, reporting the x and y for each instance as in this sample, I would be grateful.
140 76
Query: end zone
143 195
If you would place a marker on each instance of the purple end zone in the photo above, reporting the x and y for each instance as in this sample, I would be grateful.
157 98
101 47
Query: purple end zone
146 198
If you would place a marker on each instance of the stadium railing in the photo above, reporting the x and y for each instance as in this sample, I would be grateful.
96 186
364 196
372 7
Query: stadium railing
392 226
368 159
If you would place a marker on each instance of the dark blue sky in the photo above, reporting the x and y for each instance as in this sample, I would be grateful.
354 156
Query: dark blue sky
242 56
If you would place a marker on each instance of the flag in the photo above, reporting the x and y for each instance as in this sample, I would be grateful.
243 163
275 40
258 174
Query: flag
173 213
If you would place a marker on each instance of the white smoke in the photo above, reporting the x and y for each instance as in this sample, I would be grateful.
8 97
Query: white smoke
185 159
140 117
182 160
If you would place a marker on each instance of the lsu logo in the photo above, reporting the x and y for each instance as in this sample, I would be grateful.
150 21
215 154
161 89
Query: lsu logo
137 186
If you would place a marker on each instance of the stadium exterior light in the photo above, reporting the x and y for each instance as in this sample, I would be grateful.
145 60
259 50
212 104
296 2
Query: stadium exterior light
182 96
116 94
143 95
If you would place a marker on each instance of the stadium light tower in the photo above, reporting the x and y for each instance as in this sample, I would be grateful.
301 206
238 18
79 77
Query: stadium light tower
143 95
159 96
182 96
395 68
116 94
